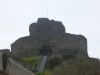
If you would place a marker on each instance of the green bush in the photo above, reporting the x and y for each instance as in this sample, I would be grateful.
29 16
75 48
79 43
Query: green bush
81 65
38 73
67 57
45 72
54 61
64 69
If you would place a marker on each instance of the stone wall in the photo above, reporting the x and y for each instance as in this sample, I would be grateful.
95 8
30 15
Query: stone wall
26 46
3 73
5 51
77 44
70 42
46 27
49 32
14 68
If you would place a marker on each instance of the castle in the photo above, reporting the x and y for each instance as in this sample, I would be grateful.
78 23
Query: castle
48 36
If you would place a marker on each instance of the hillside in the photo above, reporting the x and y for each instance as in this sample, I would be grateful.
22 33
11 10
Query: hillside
67 65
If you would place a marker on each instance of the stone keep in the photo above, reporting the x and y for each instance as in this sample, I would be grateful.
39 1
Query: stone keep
49 32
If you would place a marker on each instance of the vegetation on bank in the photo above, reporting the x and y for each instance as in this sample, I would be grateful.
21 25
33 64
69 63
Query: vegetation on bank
81 65
66 65
31 62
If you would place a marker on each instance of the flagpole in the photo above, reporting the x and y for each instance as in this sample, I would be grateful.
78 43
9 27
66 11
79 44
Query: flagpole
47 12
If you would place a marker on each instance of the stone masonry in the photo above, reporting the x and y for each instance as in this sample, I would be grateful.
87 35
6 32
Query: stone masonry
13 68
52 33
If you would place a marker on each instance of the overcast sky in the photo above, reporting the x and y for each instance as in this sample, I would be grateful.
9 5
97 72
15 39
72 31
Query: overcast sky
78 17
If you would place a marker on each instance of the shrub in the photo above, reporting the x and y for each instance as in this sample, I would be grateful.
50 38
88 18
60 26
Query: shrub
64 69
38 73
45 72
54 61
67 57
81 65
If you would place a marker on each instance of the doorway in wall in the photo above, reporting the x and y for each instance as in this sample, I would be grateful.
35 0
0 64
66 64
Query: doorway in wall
45 50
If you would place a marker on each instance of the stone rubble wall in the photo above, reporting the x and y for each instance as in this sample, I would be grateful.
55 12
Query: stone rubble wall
48 27
14 68
25 47
5 51
70 42
45 32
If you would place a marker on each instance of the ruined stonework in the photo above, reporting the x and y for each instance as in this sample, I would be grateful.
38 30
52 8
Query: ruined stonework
13 68
5 51
49 32
46 27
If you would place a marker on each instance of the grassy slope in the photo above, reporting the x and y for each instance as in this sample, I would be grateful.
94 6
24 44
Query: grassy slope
31 62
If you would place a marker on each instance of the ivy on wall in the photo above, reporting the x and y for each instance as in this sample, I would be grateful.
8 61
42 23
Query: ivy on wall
4 60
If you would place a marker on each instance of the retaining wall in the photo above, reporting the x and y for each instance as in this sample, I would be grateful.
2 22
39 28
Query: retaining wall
14 68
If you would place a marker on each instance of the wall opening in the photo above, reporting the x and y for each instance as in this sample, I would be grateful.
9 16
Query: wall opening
45 50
